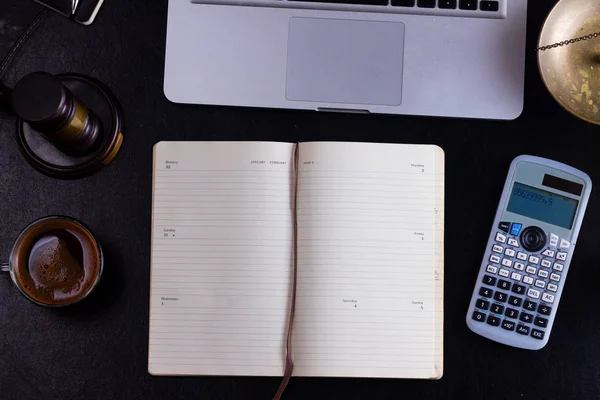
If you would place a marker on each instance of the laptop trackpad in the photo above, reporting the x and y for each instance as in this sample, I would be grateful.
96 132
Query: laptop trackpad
345 61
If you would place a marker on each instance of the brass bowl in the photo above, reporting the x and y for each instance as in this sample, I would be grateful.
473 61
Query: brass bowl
572 73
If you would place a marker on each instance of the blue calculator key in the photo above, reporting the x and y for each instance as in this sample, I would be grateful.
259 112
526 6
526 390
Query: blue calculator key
515 229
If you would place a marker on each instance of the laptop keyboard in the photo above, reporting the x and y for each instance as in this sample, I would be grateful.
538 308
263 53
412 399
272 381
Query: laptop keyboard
455 8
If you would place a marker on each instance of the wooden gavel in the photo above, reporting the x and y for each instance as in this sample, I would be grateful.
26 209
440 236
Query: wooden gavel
42 101
68 126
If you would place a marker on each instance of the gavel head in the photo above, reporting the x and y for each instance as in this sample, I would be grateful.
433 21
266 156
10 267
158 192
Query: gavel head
41 100
68 126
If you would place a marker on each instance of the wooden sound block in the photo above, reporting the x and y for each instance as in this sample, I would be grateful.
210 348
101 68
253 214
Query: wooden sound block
572 72
45 157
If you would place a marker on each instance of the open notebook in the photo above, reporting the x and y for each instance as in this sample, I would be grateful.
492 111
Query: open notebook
370 223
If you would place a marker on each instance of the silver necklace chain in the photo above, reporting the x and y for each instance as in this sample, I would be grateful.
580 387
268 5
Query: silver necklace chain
568 42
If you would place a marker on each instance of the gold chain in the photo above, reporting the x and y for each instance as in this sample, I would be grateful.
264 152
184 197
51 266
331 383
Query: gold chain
568 42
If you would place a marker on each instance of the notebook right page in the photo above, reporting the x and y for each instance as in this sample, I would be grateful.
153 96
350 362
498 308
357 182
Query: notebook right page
370 261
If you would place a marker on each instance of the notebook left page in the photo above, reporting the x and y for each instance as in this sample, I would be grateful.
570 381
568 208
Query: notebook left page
221 265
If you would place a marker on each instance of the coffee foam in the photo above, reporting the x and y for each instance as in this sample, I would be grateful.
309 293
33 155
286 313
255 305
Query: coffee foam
56 261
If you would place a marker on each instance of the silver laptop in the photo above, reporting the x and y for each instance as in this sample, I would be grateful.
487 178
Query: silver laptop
454 58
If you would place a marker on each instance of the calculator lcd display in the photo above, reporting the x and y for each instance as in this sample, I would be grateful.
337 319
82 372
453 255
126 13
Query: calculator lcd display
542 205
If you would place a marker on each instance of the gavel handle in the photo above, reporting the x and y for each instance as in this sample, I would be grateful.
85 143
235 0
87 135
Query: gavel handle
5 96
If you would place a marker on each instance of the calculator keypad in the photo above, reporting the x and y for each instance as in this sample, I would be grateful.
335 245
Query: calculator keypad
519 288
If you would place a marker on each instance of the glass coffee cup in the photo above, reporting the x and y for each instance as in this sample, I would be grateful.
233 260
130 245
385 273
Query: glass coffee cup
55 261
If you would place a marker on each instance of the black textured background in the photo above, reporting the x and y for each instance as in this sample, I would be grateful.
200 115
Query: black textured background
98 350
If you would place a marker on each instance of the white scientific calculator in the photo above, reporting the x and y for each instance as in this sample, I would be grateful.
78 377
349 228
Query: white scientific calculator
527 257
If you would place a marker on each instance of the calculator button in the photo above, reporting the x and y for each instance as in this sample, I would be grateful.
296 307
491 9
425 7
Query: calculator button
542 273
540 284
533 239
506 262
523 330
562 256
553 240
531 270
489 280
497 309
504 226
534 294
529 305
534 260
564 244
478 316
518 289
425 3
528 280
510 252
522 256
552 287
546 263
511 313
513 242
500 238
541 322
515 229
491 269
497 249
537 334
504 273
495 259
548 298
515 301
485 292
508 325
515 277
558 267
544 310
482 304
502 284
555 277
501 297
519 266
526 317
494 321
548 253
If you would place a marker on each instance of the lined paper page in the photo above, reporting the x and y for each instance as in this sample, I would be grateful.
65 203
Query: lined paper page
221 276
370 261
